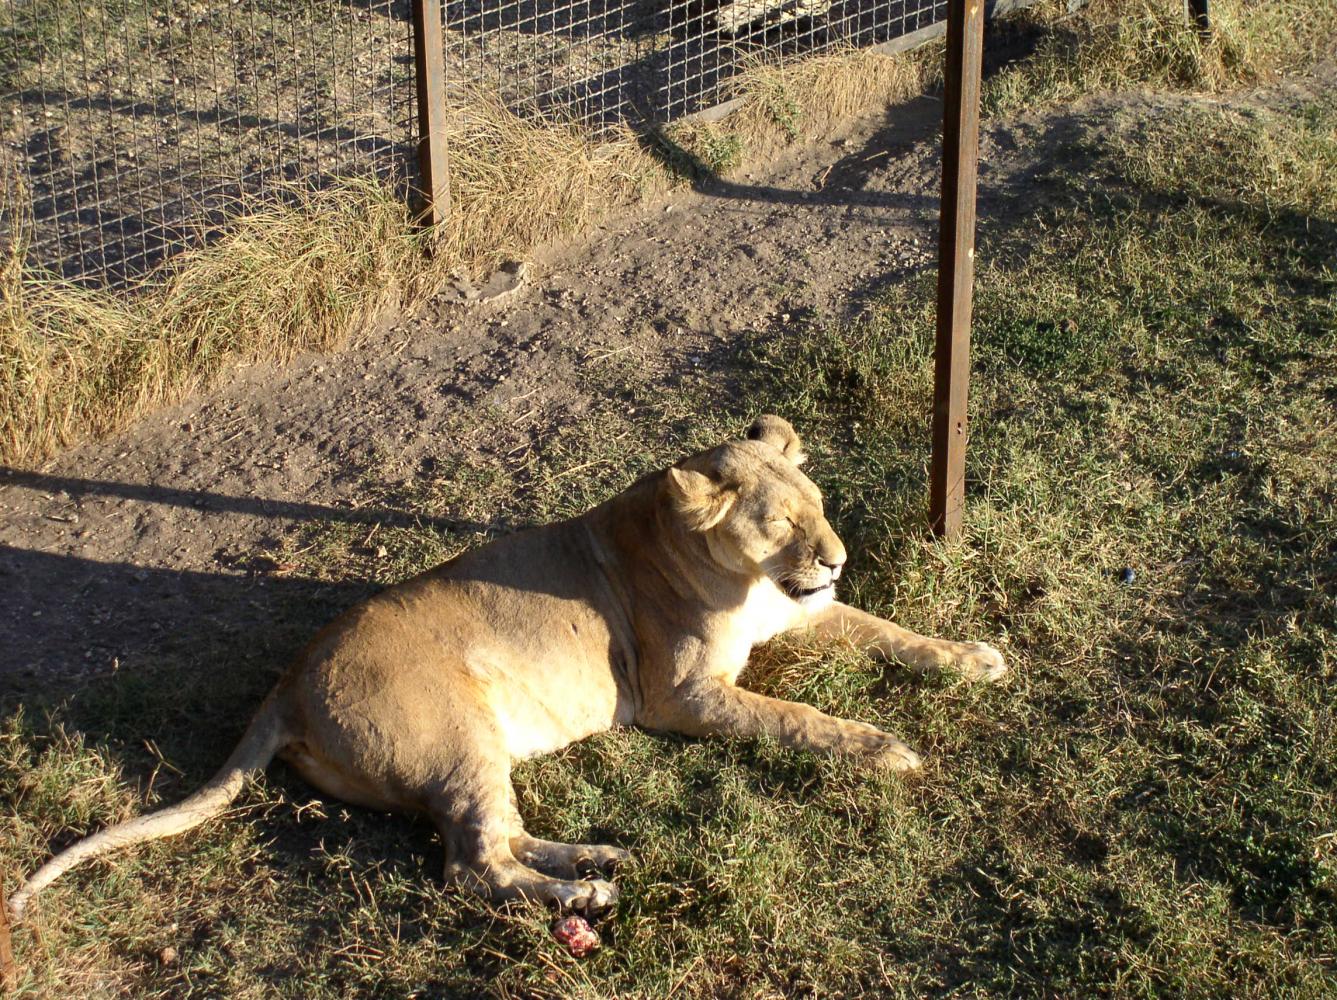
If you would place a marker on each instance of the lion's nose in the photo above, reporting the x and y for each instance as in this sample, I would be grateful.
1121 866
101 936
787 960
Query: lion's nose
834 567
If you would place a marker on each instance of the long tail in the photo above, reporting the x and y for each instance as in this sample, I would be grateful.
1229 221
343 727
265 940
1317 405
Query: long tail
257 748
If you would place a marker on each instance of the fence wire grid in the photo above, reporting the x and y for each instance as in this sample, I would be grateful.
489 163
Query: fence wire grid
600 62
130 129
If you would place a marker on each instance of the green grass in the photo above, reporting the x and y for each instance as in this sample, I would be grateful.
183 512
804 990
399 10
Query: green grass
1147 808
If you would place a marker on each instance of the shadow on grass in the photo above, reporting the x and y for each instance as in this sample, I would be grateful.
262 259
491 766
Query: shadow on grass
157 650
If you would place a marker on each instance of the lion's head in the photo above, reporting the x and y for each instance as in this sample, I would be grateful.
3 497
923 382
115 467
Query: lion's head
758 513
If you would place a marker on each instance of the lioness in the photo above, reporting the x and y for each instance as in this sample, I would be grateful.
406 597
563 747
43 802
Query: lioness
641 611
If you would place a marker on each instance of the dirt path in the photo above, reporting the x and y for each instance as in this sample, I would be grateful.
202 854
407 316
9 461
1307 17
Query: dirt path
135 547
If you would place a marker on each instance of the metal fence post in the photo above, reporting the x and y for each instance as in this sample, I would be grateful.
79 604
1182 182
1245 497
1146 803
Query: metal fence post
956 264
429 60
1200 14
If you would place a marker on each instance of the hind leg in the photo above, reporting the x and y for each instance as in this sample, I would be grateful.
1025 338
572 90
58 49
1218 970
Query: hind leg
481 830
569 861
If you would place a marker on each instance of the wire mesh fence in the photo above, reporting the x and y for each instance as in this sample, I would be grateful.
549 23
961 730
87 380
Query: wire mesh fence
133 129
130 129
599 62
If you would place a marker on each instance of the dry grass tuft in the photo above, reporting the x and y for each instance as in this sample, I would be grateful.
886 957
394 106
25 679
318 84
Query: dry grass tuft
810 98
515 184
1125 44
78 363
56 354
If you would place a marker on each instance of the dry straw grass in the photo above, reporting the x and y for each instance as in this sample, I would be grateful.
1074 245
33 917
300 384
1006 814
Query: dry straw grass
515 184
813 96
304 274
79 363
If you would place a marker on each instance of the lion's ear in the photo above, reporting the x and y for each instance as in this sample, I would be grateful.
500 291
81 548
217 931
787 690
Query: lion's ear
700 500
776 432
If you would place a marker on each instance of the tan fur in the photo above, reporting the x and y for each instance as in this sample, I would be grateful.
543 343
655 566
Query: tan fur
643 611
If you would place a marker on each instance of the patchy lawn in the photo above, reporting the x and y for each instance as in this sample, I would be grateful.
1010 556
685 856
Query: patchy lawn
1146 808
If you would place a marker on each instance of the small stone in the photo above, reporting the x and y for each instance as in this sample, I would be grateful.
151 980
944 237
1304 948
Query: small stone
1127 575
167 956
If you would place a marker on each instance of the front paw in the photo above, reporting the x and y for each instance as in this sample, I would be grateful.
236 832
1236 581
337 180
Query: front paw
883 751
978 661
590 897
895 756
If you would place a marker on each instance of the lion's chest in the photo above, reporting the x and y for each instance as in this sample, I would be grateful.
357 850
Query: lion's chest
764 614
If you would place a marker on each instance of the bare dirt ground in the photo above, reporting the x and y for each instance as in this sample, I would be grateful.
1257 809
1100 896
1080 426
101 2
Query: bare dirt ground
171 534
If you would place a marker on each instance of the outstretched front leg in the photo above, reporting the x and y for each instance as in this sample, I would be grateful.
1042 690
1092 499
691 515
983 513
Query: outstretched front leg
710 706
878 637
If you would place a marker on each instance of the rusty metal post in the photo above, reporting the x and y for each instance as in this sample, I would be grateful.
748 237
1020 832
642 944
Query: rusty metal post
956 263
429 60
1200 14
